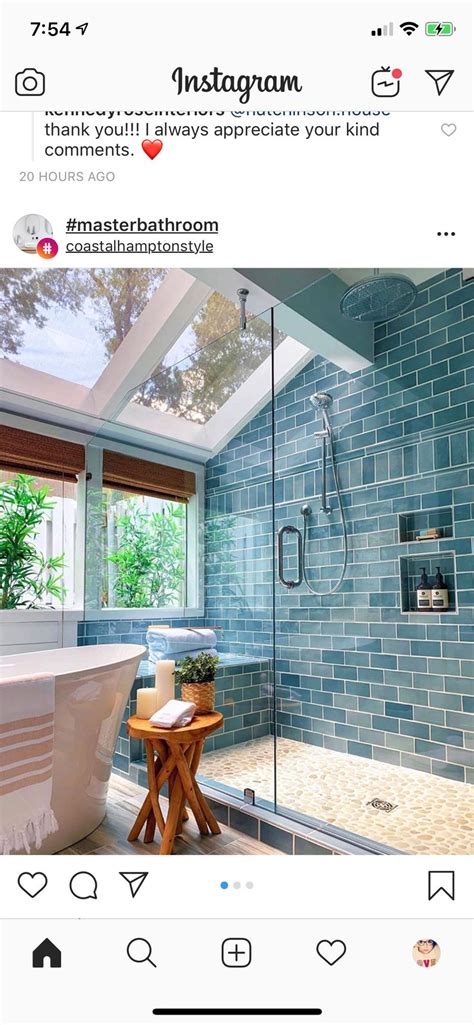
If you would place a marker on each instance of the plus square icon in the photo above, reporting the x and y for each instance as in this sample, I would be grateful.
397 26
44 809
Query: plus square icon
236 952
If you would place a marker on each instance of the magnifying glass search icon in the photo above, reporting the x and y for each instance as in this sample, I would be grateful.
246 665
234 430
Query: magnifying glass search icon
139 950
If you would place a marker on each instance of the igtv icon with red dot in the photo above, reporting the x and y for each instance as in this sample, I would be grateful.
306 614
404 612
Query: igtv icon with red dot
386 82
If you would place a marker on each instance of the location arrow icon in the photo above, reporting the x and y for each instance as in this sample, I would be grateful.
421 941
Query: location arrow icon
440 79
135 880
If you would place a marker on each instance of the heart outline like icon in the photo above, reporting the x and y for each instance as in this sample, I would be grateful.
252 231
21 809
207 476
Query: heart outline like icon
334 950
448 129
152 147
32 883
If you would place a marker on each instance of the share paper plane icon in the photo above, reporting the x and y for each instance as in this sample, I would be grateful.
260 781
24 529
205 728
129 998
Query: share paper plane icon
134 880
440 79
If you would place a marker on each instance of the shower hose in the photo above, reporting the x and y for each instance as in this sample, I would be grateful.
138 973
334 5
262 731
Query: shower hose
324 594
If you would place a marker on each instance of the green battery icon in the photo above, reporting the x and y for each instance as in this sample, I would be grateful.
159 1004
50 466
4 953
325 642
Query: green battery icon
439 28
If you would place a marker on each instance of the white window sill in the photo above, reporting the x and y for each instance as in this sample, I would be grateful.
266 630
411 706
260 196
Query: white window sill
152 614
78 615
40 615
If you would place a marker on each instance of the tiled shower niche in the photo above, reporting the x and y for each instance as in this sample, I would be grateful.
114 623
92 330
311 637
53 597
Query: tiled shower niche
411 523
410 572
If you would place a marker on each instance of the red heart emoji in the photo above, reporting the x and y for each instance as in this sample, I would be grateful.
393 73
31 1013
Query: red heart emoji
152 147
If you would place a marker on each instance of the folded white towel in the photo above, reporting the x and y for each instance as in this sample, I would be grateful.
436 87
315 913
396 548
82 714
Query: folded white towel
180 639
174 714
26 762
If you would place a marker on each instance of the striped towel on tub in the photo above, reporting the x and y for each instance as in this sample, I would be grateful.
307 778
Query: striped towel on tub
26 762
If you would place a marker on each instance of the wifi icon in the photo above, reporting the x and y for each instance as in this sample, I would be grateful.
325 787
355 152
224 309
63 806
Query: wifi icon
409 27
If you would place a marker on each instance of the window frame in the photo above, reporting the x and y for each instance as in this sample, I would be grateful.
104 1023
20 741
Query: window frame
93 610
81 610
73 610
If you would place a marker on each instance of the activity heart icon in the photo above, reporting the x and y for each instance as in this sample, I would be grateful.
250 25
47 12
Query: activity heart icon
32 883
152 147
331 950
448 129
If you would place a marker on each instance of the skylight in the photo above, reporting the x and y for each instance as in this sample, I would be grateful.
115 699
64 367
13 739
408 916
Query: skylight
210 361
69 323
158 357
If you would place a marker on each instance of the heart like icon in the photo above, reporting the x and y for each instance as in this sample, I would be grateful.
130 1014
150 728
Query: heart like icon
331 950
448 129
152 147
32 883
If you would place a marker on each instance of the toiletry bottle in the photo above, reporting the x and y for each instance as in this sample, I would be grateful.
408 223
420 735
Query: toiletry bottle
423 592
439 593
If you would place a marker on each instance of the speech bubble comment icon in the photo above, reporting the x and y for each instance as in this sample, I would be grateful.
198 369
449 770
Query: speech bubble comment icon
83 885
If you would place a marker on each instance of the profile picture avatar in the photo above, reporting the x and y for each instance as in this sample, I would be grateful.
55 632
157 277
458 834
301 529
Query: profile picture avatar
426 953
33 233
29 82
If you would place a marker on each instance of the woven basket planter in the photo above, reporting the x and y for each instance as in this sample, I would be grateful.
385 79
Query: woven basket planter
203 695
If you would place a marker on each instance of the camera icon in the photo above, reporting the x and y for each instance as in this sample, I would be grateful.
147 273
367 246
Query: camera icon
29 82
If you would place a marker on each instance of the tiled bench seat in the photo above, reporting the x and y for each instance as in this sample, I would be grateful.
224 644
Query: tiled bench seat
243 695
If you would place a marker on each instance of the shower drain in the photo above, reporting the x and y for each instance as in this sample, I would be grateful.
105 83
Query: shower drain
380 805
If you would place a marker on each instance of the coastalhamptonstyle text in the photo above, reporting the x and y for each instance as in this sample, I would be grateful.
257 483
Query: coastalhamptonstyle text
218 82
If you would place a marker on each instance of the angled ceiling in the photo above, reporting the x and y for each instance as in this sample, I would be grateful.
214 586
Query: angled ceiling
161 348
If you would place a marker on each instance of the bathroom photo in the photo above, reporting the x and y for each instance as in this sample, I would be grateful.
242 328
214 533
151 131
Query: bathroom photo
236 561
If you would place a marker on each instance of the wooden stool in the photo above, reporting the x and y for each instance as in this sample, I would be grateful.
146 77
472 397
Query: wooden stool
173 756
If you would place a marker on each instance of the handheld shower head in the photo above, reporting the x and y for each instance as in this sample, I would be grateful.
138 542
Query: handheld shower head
321 401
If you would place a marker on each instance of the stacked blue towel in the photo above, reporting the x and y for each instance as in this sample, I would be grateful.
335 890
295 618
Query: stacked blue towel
180 642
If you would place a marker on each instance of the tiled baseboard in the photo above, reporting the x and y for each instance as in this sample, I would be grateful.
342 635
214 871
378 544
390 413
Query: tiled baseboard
280 831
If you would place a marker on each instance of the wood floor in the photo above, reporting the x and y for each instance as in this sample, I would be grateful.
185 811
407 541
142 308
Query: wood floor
124 801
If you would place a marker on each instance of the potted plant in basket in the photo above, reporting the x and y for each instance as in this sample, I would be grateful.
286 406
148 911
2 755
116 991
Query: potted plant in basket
196 677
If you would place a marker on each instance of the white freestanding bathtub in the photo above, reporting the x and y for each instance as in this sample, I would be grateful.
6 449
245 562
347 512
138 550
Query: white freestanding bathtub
92 687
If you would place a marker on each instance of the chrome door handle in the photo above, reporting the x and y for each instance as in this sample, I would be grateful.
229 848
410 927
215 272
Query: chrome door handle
289 529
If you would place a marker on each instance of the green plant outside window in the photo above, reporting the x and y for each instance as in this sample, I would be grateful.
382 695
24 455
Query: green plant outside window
145 564
28 578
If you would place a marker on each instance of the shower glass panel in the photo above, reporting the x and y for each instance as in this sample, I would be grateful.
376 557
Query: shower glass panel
373 735
209 412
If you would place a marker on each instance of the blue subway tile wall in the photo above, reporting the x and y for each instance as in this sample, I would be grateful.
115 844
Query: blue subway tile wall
125 631
354 672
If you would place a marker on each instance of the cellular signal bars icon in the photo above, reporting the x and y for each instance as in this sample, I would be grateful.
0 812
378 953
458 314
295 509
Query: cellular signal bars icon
383 30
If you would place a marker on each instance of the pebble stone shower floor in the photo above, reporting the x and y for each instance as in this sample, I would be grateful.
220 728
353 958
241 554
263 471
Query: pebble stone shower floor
433 815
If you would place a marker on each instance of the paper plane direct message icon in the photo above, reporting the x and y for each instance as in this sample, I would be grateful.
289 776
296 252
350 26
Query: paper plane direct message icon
135 880
440 882
440 79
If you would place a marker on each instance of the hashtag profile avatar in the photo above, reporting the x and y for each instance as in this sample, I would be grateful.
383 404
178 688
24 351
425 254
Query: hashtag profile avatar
33 233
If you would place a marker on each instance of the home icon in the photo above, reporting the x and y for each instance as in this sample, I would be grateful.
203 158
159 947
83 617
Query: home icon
46 952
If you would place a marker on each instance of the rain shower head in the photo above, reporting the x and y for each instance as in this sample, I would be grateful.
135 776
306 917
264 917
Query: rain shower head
380 297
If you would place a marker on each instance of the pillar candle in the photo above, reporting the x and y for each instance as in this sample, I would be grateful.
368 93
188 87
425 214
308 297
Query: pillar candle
147 702
164 680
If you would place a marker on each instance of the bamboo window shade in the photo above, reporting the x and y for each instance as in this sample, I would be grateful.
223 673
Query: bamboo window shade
140 476
38 454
